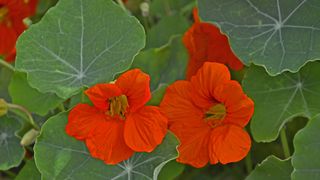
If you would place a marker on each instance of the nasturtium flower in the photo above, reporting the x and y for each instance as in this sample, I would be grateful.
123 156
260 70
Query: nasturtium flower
205 42
118 124
208 114
12 14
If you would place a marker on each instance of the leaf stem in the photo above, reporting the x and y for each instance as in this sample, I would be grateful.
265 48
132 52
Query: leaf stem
284 142
26 112
6 65
122 5
248 162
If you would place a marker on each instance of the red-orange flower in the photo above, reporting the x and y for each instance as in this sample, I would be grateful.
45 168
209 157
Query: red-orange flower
208 114
205 42
119 123
12 13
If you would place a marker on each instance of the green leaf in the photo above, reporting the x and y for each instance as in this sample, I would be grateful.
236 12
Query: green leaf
278 99
306 158
272 168
167 27
29 172
11 152
70 158
157 95
162 8
171 170
78 43
165 65
5 76
279 35
23 94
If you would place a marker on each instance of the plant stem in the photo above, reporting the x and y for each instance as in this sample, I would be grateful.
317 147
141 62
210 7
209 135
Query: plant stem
122 5
248 162
6 65
284 142
26 112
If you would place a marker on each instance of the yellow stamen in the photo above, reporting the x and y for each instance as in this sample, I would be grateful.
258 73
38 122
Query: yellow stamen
3 13
118 106
216 114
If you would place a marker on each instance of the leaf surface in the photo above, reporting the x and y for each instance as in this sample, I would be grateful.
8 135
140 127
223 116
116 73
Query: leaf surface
78 43
278 99
277 34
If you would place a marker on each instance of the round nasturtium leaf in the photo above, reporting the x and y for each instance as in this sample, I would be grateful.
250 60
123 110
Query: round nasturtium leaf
11 152
280 98
78 43
306 157
70 159
279 34
272 168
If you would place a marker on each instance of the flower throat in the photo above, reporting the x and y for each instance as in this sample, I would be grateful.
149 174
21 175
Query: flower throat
118 106
215 115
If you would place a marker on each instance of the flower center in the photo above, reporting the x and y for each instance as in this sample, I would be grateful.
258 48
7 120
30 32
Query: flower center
215 115
3 12
118 106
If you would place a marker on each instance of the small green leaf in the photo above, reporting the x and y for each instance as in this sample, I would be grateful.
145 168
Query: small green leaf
171 170
70 158
272 168
167 27
23 94
157 95
29 172
78 43
165 65
162 8
5 77
279 35
278 99
306 158
11 152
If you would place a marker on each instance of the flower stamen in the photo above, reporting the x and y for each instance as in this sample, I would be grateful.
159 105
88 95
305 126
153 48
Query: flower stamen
215 115
3 13
118 106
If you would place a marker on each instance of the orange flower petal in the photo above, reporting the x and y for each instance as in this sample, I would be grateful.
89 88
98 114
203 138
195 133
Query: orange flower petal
239 107
228 143
107 142
209 76
11 56
194 139
177 104
82 120
100 93
8 38
135 84
145 129
205 42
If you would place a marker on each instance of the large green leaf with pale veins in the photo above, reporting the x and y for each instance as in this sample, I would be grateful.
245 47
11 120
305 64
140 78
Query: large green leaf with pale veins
272 168
70 159
11 152
277 34
278 99
78 43
306 158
